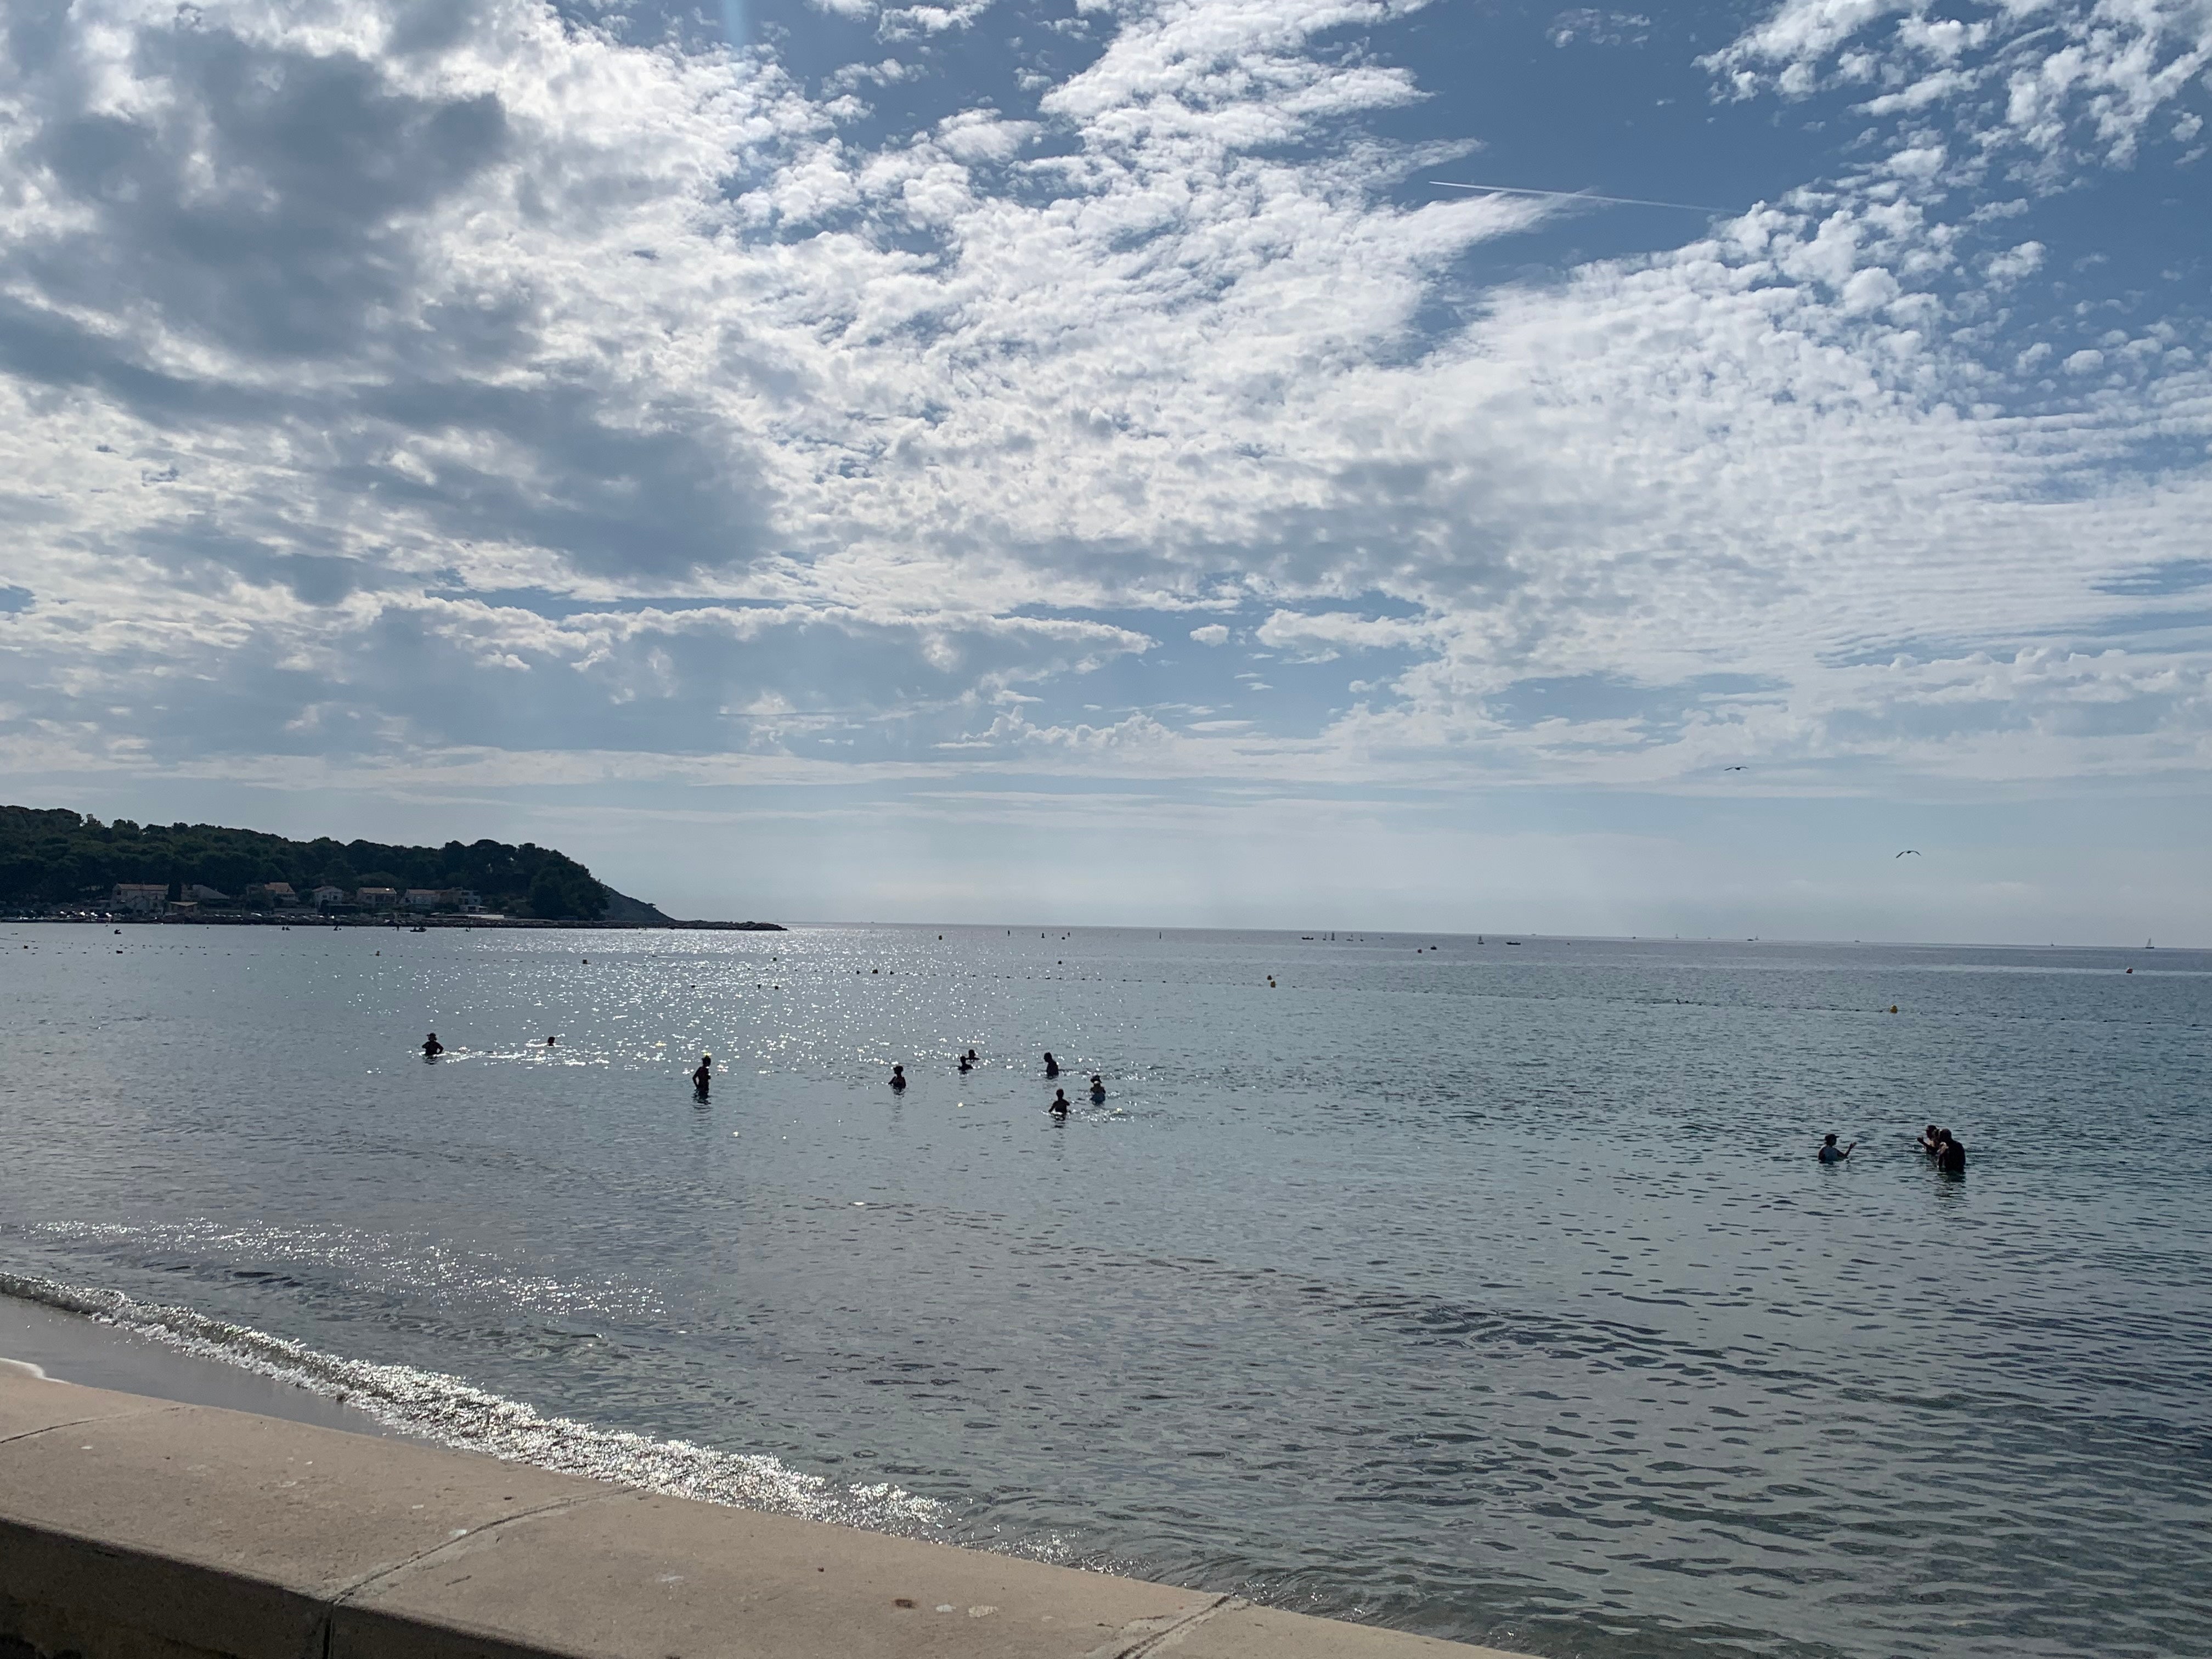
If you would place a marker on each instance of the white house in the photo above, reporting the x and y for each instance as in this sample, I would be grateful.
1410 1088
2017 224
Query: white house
141 898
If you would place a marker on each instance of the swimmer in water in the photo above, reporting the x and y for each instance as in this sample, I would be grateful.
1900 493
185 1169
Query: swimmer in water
973 1058
548 1042
1051 1065
432 1048
1950 1156
1059 1106
1097 1087
702 1075
898 1076
966 1065
1832 1153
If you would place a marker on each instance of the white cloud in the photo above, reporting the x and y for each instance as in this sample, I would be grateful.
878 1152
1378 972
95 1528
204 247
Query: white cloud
633 403
2054 78
2015 262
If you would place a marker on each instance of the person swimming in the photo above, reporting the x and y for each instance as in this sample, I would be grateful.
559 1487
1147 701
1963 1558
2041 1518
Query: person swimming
966 1065
1931 1140
1097 1087
702 1075
973 1058
1832 1153
1059 1107
432 1048
1950 1156
1051 1065
898 1076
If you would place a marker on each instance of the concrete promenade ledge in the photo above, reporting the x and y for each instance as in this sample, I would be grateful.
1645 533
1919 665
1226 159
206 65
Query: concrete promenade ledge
139 1529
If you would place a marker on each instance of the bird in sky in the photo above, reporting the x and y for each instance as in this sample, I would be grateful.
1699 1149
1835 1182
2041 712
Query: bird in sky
1910 853
1736 769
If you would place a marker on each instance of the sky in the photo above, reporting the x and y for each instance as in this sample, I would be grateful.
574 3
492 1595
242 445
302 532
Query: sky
1098 461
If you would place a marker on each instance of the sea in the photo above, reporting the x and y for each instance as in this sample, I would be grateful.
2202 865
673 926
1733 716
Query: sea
1485 1286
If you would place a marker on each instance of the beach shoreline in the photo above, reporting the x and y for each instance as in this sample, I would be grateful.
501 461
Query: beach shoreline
74 1348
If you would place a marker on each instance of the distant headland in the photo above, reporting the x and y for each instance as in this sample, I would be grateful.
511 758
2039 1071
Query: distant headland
60 866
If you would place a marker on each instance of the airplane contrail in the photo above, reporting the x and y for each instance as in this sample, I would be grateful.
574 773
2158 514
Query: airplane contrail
1578 196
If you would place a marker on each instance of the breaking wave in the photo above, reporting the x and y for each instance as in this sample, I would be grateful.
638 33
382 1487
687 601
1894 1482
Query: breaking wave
433 1407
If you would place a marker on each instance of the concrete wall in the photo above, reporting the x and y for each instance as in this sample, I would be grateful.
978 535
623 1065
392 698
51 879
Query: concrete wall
138 1529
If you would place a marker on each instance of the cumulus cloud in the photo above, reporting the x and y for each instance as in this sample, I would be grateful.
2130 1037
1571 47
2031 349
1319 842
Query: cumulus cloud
2053 79
377 383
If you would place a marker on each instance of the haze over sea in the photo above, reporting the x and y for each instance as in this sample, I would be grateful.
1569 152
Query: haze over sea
1491 1290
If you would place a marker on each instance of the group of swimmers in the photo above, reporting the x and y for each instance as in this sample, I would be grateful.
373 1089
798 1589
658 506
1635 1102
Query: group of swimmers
969 1061
1944 1148
702 1075
1941 1147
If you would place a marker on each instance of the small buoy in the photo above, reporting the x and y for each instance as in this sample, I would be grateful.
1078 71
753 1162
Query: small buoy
1893 1007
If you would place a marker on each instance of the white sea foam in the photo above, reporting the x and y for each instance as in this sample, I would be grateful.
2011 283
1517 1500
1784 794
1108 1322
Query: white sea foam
452 1413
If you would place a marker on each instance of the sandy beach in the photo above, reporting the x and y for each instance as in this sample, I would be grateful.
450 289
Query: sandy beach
72 1348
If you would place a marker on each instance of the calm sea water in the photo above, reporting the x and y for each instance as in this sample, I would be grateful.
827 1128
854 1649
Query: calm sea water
1490 1290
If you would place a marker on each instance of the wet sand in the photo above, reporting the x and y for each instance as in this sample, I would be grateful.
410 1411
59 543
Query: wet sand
74 1349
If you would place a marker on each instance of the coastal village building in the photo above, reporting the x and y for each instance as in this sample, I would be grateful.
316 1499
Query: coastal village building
200 893
422 898
377 898
327 894
141 898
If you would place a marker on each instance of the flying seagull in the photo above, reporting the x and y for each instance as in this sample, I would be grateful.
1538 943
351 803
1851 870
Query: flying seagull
1910 853
1736 769
1577 196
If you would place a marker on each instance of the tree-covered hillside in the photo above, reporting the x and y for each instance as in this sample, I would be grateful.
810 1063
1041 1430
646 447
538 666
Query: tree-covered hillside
58 857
